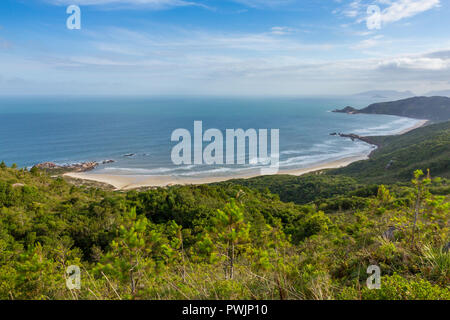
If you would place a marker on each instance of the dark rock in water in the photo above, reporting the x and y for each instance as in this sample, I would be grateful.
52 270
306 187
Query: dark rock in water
333 134
129 154
447 247
356 137
389 233
107 161
347 109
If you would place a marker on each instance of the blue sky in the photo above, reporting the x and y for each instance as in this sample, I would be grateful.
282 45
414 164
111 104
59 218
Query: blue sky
223 47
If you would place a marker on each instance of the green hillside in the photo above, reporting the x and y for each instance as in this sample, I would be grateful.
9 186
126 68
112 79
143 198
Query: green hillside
431 108
300 189
223 241
424 148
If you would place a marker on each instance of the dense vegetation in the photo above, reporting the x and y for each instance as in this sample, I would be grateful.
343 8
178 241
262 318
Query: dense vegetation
302 189
424 148
433 108
223 241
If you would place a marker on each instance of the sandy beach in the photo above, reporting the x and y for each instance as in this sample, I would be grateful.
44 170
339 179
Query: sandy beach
128 182
419 124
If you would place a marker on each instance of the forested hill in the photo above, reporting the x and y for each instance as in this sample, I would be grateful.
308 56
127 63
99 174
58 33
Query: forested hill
432 108
424 148
436 109
222 241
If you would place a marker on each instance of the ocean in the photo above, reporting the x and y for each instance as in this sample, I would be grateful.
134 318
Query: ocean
136 132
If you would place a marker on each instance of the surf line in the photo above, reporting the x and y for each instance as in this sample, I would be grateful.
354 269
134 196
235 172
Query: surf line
235 140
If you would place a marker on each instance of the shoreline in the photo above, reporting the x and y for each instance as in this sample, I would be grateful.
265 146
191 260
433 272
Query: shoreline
129 182
419 124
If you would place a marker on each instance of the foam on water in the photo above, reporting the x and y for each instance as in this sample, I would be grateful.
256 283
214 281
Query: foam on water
76 130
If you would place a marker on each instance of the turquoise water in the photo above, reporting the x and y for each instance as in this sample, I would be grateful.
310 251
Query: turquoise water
67 130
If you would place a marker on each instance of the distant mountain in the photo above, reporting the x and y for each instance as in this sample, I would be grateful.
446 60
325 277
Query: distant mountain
442 93
385 94
436 109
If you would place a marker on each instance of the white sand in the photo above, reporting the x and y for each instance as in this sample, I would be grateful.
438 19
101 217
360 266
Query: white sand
419 124
127 182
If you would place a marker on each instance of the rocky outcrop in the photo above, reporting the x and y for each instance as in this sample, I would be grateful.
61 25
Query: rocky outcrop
75 167
47 165
356 137
389 233
348 109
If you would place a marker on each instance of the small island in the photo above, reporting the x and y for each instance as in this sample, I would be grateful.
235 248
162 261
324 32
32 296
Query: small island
348 109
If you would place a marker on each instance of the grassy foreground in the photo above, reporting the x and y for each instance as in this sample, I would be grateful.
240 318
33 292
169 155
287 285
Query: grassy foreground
222 241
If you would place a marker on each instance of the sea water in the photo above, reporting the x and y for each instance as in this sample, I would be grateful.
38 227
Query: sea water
135 132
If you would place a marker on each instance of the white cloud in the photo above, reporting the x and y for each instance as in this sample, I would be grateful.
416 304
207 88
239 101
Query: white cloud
353 9
281 30
398 10
368 43
257 44
155 4
416 63
445 55
122 61
161 4
264 3
390 10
